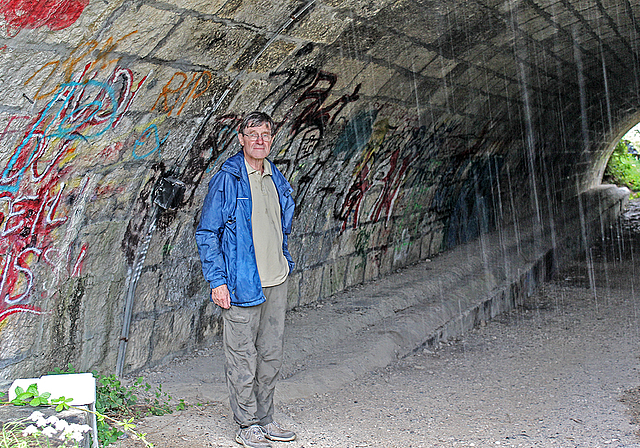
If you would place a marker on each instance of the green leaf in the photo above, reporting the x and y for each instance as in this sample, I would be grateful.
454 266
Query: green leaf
24 396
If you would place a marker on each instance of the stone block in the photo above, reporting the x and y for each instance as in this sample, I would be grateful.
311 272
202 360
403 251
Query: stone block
362 8
103 248
264 15
439 67
150 295
415 249
415 58
400 88
246 99
346 69
311 285
84 28
18 67
321 25
545 33
149 26
424 243
372 78
372 268
436 241
293 289
333 277
202 6
169 329
205 43
273 56
140 344
355 270
345 243
390 47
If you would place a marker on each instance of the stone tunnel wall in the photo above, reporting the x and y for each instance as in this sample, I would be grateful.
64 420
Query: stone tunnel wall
406 128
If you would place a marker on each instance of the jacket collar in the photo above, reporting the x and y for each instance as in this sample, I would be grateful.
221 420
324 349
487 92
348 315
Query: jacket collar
235 165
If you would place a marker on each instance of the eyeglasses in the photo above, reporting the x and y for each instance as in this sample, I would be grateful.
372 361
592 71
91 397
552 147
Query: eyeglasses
253 136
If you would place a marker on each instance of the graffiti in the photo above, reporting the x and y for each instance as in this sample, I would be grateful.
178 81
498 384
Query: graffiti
173 96
151 133
77 267
4 313
300 103
316 86
25 236
208 150
78 111
28 14
35 174
394 159
92 56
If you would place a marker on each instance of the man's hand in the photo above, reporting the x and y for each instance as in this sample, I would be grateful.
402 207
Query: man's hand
221 297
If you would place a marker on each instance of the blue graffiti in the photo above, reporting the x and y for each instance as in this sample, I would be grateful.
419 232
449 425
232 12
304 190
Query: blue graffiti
152 130
68 118
355 135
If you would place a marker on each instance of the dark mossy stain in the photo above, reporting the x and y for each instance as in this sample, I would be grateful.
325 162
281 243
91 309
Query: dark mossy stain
206 324
66 319
211 41
307 49
137 226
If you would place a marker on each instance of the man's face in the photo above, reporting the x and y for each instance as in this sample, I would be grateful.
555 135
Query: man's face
256 142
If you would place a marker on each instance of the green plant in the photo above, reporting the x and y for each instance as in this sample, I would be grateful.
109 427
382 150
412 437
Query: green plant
117 405
18 435
59 371
361 245
624 169
127 403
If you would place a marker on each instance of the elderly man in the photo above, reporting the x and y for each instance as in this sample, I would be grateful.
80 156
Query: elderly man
242 241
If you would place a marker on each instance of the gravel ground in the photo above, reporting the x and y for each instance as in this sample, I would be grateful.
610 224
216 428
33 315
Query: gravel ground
562 371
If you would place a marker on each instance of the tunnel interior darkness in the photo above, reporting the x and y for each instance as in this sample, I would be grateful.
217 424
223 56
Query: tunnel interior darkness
406 129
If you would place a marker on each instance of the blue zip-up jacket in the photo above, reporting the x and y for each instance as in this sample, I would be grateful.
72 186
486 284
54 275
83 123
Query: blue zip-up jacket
224 237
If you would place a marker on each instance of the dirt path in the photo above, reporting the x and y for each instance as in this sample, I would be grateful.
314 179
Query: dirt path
549 375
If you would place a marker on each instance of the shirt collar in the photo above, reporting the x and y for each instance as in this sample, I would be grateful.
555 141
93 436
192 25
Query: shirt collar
266 164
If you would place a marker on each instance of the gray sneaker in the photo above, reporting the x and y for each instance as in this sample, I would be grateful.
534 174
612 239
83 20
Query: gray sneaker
252 437
274 431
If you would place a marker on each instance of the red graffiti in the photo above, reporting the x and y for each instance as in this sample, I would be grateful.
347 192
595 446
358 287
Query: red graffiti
353 200
24 236
391 184
32 14
19 309
77 268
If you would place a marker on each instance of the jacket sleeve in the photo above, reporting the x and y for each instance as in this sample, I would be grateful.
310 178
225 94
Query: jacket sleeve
209 233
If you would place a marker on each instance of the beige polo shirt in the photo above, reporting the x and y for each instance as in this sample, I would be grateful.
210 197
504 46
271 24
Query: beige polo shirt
266 226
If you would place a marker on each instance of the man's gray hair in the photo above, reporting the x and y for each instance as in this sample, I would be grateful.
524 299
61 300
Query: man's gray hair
254 119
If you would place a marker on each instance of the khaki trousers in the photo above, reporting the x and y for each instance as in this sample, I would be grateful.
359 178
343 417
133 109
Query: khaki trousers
253 346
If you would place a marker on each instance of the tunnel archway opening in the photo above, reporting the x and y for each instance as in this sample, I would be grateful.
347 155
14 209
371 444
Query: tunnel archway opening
623 166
